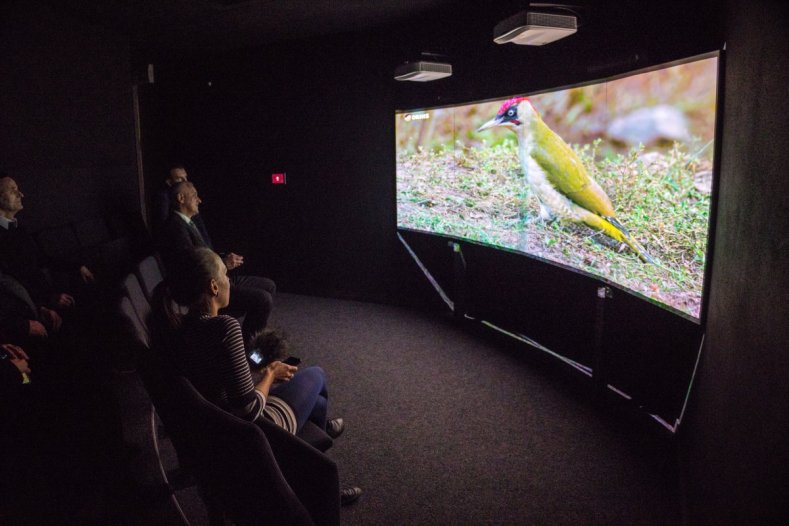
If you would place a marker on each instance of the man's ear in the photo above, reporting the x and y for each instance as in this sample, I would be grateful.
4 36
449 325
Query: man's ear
214 288
180 197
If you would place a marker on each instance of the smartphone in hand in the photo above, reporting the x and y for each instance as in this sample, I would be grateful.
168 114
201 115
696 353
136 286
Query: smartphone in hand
255 358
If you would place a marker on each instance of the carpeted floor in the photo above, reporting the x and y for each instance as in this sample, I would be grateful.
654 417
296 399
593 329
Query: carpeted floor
448 425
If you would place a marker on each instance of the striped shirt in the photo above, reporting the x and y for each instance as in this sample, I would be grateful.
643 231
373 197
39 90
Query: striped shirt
214 359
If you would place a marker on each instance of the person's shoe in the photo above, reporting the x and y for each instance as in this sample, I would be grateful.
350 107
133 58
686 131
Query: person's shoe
349 494
335 427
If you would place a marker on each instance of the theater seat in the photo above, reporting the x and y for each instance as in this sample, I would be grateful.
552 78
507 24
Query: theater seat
248 473
150 274
59 243
133 290
214 445
136 325
91 232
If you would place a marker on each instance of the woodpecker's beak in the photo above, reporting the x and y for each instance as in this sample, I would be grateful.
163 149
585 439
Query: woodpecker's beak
490 124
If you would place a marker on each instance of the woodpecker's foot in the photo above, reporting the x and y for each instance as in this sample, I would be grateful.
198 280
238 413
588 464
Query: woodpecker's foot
546 214
527 219
612 244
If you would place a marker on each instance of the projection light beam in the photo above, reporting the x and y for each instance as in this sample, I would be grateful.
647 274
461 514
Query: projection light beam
557 176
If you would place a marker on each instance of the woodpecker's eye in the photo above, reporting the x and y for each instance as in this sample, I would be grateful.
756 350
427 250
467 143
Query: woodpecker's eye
511 113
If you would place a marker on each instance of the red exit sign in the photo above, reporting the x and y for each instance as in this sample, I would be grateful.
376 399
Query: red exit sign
278 178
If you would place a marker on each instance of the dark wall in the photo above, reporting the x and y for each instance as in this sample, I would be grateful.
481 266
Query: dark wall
66 115
735 445
322 113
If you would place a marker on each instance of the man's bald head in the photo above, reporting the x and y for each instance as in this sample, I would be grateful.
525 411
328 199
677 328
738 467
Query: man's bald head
184 198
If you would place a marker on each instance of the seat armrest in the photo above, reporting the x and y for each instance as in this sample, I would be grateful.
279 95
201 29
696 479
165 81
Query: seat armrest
311 474
315 436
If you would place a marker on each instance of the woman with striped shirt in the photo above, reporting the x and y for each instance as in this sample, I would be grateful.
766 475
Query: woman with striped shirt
209 349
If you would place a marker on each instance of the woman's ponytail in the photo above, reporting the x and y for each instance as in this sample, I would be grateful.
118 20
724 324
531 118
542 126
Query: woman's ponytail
185 288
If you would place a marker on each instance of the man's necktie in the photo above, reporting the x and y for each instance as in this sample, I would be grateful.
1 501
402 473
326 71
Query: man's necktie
196 231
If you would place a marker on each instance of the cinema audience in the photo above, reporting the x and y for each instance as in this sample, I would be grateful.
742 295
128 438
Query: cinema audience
21 258
252 295
65 424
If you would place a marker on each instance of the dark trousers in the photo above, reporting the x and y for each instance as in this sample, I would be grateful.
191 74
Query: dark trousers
254 297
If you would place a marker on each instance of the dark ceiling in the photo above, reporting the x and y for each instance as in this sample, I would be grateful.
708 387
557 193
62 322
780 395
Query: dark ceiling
188 25
453 29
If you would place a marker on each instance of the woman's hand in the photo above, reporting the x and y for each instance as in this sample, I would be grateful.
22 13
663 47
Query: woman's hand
275 372
281 372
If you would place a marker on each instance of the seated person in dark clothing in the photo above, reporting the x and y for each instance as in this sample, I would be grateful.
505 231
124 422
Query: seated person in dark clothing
208 348
56 441
14 371
54 346
20 319
13 375
161 203
252 295
21 258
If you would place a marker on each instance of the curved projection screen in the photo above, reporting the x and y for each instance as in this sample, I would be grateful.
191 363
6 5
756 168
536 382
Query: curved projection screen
611 178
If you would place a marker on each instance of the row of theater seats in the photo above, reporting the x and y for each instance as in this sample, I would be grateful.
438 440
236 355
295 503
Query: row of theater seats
105 244
247 473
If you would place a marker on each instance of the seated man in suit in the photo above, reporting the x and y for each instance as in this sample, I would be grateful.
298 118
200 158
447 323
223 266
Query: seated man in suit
161 205
252 294
22 259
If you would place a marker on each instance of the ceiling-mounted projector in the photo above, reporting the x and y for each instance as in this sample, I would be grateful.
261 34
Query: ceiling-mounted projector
534 28
423 71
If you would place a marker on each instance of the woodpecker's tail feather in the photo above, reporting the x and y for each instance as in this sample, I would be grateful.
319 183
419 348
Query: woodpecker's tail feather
614 229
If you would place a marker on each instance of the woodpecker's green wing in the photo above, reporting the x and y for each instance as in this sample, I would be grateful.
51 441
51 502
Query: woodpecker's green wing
566 172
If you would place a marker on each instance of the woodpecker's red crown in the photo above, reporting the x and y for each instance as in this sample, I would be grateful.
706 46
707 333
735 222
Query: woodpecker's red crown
508 115
510 103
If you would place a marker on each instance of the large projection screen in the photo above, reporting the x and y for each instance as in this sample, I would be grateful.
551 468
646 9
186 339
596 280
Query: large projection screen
646 139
